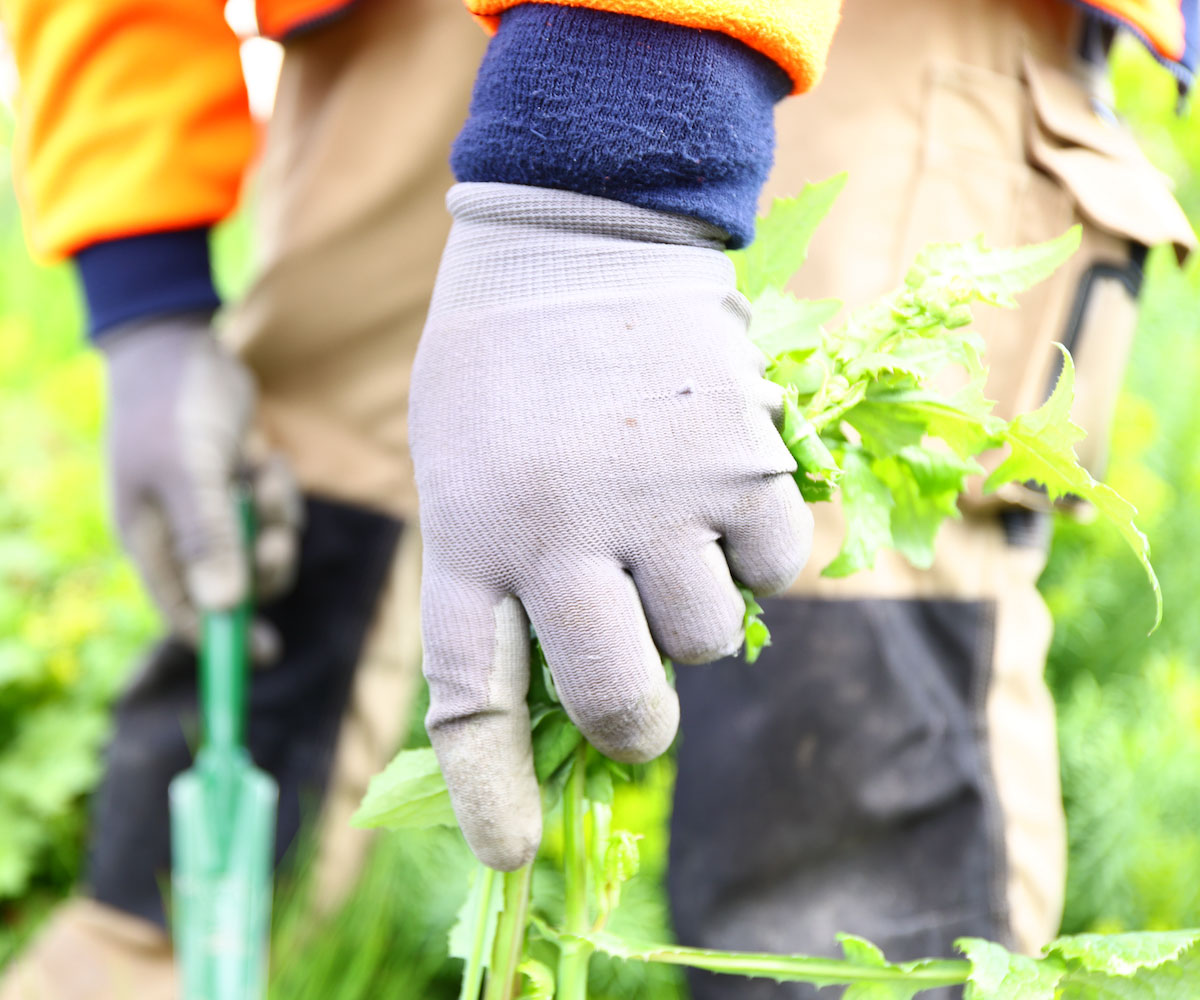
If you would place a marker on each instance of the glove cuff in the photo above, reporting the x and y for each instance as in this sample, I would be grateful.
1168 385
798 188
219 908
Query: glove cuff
565 212
513 244
149 275
625 108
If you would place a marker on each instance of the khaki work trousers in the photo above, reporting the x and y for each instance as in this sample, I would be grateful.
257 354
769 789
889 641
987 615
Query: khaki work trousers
350 223
907 719
953 117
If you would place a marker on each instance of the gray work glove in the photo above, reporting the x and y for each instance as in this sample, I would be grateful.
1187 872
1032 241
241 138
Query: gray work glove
596 448
179 415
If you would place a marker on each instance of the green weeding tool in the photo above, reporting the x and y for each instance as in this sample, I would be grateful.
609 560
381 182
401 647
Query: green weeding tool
223 827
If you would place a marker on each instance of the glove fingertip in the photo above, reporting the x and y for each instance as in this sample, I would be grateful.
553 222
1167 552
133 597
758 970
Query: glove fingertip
266 644
275 561
219 581
515 848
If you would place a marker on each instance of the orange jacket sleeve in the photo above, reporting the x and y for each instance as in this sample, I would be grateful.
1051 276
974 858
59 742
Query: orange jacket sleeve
132 117
796 34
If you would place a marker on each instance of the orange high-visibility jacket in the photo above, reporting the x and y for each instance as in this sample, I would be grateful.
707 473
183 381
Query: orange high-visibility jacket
133 115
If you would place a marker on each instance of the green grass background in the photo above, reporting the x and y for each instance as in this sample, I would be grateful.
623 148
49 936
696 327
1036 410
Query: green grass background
72 622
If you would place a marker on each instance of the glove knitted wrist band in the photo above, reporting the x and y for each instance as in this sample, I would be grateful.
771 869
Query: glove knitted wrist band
153 274
649 113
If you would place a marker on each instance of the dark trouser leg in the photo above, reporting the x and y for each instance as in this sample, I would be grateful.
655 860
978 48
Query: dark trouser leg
840 784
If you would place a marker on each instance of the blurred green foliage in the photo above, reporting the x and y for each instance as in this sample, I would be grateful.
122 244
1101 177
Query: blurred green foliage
71 613
1147 98
388 939
72 621
1129 706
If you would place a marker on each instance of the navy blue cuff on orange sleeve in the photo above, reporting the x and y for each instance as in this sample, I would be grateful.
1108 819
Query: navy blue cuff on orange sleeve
137 277
653 114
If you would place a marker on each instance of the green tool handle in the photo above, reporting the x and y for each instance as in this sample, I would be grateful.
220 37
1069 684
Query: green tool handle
224 657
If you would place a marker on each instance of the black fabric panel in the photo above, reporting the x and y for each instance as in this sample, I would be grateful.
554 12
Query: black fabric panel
1027 529
295 708
839 784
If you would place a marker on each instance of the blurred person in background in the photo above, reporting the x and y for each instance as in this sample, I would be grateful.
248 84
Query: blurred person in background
888 768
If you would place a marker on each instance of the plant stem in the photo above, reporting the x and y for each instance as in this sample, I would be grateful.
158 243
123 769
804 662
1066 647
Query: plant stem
575 952
924 974
789 968
480 943
601 831
504 981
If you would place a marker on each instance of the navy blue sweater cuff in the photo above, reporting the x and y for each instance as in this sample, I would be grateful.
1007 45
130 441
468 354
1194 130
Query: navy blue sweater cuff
136 277
653 114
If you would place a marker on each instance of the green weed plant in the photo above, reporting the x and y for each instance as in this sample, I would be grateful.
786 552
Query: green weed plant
865 420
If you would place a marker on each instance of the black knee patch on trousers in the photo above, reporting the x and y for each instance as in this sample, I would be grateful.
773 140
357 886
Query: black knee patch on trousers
295 706
841 783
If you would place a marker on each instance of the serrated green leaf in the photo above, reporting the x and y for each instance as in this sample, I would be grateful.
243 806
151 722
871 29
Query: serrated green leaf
860 951
817 471
552 787
885 343
541 682
971 271
756 634
867 503
622 859
1140 966
624 772
963 421
784 324
925 482
879 364
864 953
539 980
408 794
929 356
1046 437
884 428
812 455
915 520
758 637
802 373
1095 977
998 974
598 787
936 469
1123 954
781 244
1042 450
554 740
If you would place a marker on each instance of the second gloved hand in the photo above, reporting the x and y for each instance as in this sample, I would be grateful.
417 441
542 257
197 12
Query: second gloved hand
179 412
596 451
